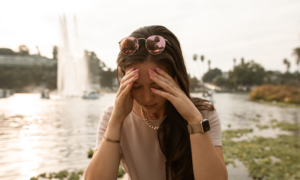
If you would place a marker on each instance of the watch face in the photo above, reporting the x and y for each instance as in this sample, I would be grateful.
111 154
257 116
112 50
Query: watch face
205 125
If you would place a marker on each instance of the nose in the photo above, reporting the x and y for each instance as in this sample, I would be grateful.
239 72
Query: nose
148 95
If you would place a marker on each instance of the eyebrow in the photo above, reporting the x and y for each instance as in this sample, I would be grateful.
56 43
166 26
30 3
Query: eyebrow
138 83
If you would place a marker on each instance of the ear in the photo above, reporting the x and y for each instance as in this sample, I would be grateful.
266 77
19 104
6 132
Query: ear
176 81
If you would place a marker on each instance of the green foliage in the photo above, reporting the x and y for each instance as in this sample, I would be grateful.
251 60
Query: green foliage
74 176
249 73
220 81
98 68
55 52
62 175
276 93
20 77
121 172
287 126
261 127
265 158
211 74
90 153
7 51
194 82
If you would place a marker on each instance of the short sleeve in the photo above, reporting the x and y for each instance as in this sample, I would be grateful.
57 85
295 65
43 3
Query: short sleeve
103 122
215 132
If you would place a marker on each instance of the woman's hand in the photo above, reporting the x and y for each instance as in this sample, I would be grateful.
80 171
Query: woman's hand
124 101
175 95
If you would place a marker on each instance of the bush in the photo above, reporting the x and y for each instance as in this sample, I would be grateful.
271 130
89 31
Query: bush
285 94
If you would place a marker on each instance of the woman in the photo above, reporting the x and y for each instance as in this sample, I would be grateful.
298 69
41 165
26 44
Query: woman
149 128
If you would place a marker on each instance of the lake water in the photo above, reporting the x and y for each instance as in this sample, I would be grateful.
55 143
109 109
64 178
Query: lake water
39 135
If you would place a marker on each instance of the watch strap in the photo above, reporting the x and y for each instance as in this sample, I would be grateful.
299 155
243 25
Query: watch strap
195 128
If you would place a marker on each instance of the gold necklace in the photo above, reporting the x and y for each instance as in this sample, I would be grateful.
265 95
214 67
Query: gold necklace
148 123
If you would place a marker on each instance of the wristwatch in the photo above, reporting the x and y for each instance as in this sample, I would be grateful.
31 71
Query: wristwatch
202 127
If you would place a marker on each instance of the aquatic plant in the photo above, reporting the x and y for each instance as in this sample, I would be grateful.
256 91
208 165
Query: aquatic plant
90 153
62 175
265 158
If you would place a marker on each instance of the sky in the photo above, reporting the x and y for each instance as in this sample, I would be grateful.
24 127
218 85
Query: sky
265 31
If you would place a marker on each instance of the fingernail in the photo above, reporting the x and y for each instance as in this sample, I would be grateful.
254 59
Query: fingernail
129 82
151 72
135 76
136 70
158 69
151 75
153 89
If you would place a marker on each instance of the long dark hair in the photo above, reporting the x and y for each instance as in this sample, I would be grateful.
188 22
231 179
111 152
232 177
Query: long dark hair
173 136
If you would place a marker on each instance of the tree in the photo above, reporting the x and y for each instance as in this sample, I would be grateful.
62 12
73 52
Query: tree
194 82
234 61
6 51
55 52
242 61
220 81
287 63
296 53
196 67
107 77
210 75
202 60
249 73
23 50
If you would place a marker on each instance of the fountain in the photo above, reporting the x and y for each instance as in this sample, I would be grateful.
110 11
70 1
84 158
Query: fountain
72 64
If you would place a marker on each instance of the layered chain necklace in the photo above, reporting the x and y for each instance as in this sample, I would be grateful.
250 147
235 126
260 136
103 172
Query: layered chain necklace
148 123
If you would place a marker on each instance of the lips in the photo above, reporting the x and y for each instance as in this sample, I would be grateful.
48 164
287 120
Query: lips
150 107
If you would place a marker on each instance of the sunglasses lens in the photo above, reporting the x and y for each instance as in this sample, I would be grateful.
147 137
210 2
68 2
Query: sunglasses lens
128 45
155 44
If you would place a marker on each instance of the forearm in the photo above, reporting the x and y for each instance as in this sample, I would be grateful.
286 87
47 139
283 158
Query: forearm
207 164
105 162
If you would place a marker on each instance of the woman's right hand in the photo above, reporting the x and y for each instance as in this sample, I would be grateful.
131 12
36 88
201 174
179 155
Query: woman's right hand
124 102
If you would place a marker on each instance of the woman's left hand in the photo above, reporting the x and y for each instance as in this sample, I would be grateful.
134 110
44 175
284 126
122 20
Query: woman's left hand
175 95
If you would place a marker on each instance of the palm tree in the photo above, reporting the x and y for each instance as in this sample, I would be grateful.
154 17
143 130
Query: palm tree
296 52
208 65
234 61
202 60
196 67
242 61
287 63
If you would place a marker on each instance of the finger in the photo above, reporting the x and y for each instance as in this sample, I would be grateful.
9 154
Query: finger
164 94
165 75
133 77
125 79
129 84
129 74
162 82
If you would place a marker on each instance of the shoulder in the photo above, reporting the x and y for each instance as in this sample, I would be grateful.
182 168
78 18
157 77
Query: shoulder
105 115
108 109
210 115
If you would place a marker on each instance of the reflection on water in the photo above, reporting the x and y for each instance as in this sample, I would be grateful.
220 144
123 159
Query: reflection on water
38 135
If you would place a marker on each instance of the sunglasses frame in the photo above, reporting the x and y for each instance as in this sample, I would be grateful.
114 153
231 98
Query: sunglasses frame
145 44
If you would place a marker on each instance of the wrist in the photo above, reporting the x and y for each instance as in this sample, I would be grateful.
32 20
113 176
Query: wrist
195 120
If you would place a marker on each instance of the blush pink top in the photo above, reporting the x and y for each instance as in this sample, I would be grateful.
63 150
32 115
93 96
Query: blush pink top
142 157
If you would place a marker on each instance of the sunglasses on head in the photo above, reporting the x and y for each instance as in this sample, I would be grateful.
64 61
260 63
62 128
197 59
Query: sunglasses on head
154 44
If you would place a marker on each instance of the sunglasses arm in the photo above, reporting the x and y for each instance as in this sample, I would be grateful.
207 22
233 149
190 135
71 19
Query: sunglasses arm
168 42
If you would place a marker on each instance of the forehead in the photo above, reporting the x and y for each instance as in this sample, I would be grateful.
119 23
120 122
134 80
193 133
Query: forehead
143 66
144 77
